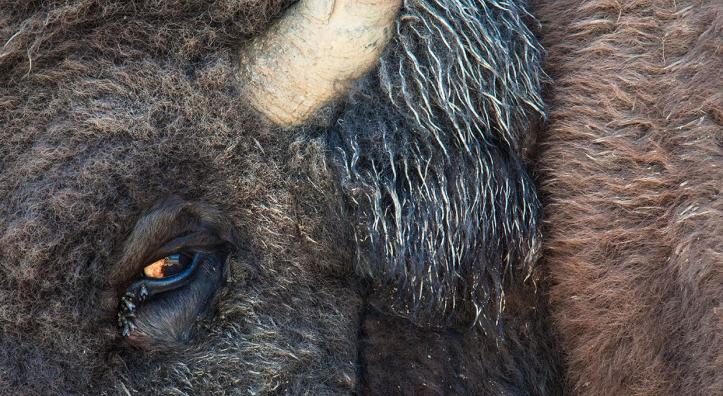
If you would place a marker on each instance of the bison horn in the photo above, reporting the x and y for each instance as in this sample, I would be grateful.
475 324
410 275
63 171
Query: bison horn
313 54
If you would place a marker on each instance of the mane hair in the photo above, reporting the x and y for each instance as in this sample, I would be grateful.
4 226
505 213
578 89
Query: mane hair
430 155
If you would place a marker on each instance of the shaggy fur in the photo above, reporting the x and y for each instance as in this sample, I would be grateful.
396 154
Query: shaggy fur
430 158
631 169
107 107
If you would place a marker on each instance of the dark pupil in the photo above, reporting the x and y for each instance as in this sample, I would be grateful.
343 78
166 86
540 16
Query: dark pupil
175 263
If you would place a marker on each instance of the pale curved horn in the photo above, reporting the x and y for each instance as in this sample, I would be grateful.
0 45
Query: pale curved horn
313 54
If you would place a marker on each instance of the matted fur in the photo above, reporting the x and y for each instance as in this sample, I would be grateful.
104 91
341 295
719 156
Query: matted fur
631 169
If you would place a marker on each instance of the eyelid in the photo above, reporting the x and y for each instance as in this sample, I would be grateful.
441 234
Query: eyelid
199 240
171 282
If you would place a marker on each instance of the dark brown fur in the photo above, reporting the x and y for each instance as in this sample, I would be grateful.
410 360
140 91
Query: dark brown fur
631 169
123 104
107 107
402 358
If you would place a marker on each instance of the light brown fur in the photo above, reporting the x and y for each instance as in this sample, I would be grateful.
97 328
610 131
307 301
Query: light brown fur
631 170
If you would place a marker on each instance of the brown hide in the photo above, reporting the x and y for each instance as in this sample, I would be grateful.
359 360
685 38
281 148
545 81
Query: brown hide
630 171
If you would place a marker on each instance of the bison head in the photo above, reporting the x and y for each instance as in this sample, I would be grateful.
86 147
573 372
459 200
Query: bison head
320 197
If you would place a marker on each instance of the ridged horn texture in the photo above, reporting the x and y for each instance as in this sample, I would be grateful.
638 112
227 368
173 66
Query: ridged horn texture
313 55
429 153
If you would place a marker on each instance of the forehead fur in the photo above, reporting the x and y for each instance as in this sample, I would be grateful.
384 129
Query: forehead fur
108 107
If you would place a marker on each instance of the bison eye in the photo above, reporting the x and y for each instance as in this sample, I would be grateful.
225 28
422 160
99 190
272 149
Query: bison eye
168 266
174 290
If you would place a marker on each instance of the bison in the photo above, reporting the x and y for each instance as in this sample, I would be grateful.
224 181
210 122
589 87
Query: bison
270 196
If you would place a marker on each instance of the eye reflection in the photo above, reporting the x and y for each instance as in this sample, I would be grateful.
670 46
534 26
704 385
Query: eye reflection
168 266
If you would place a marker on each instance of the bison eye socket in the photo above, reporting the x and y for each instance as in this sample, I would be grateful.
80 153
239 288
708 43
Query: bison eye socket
174 290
